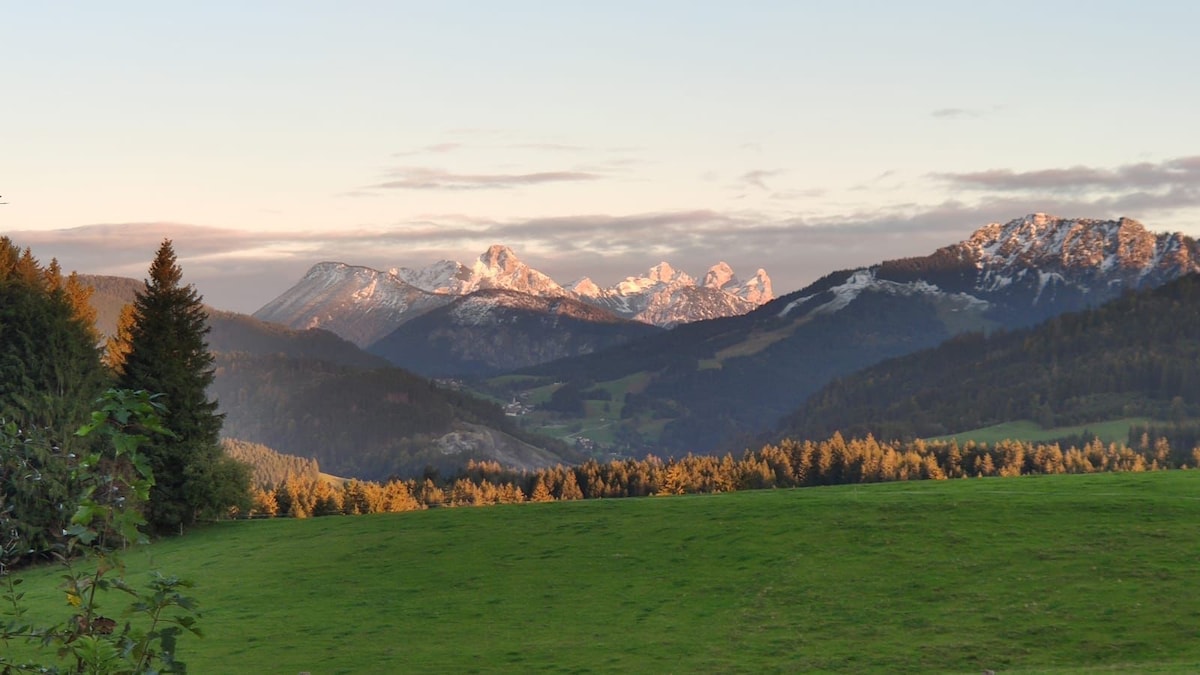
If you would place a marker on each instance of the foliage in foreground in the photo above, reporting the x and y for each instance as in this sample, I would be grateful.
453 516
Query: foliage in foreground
115 484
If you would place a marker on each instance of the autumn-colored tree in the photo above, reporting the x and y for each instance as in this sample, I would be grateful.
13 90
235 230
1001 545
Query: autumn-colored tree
541 491
116 346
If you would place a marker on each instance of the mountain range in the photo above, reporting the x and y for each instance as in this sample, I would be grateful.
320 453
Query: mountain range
533 319
698 387
714 384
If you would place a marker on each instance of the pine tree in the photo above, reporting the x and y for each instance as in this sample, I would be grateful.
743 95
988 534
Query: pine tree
167 354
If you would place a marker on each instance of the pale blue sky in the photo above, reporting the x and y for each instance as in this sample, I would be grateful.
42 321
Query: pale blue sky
593 137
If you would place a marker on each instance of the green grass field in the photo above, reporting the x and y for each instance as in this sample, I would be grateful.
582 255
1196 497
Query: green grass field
1111 431
1036 574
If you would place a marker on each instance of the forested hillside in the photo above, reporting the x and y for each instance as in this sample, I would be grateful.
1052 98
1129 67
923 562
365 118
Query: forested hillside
232 332
367 423
270 467
1138 355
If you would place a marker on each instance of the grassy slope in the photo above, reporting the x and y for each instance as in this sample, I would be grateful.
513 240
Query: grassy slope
1111 431
1037 573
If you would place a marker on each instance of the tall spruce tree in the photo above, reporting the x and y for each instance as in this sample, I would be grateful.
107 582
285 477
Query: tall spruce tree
167 354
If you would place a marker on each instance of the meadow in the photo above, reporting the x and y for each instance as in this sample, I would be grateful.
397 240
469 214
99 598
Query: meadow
1056 573
1109 431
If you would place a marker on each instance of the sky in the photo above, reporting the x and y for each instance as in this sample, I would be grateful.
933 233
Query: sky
594 138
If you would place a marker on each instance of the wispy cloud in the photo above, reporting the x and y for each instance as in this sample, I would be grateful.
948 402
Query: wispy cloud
758 178
1137 188
426 178
1182 171
435 149
547 147
955 113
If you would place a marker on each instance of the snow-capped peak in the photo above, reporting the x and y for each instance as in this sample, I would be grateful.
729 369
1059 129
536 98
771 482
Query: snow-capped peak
497 260
663 273
585 287
499 267
1122 246
757 290
720 276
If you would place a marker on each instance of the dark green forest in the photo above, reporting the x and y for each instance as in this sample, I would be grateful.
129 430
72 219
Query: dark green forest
1135 356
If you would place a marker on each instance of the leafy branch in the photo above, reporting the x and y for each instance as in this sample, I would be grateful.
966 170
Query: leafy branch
114 483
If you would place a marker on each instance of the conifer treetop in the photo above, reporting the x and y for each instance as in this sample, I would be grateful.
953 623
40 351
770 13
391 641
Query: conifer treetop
165 272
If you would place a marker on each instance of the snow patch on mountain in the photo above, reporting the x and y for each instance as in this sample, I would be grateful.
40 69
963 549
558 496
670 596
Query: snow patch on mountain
442 277
865 280
476 310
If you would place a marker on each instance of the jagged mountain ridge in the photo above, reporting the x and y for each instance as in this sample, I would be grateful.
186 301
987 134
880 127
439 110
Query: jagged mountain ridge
364 305
737 376
491 331
498 267
666 297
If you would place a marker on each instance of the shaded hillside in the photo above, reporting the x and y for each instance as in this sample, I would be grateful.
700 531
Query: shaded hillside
1138 355
493 331
366 423
232 332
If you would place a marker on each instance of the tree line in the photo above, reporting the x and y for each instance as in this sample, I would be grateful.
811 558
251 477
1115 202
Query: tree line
788 464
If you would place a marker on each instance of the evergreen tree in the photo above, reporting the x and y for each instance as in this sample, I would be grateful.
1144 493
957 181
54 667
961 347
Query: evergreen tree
49 364
167 354
50 374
